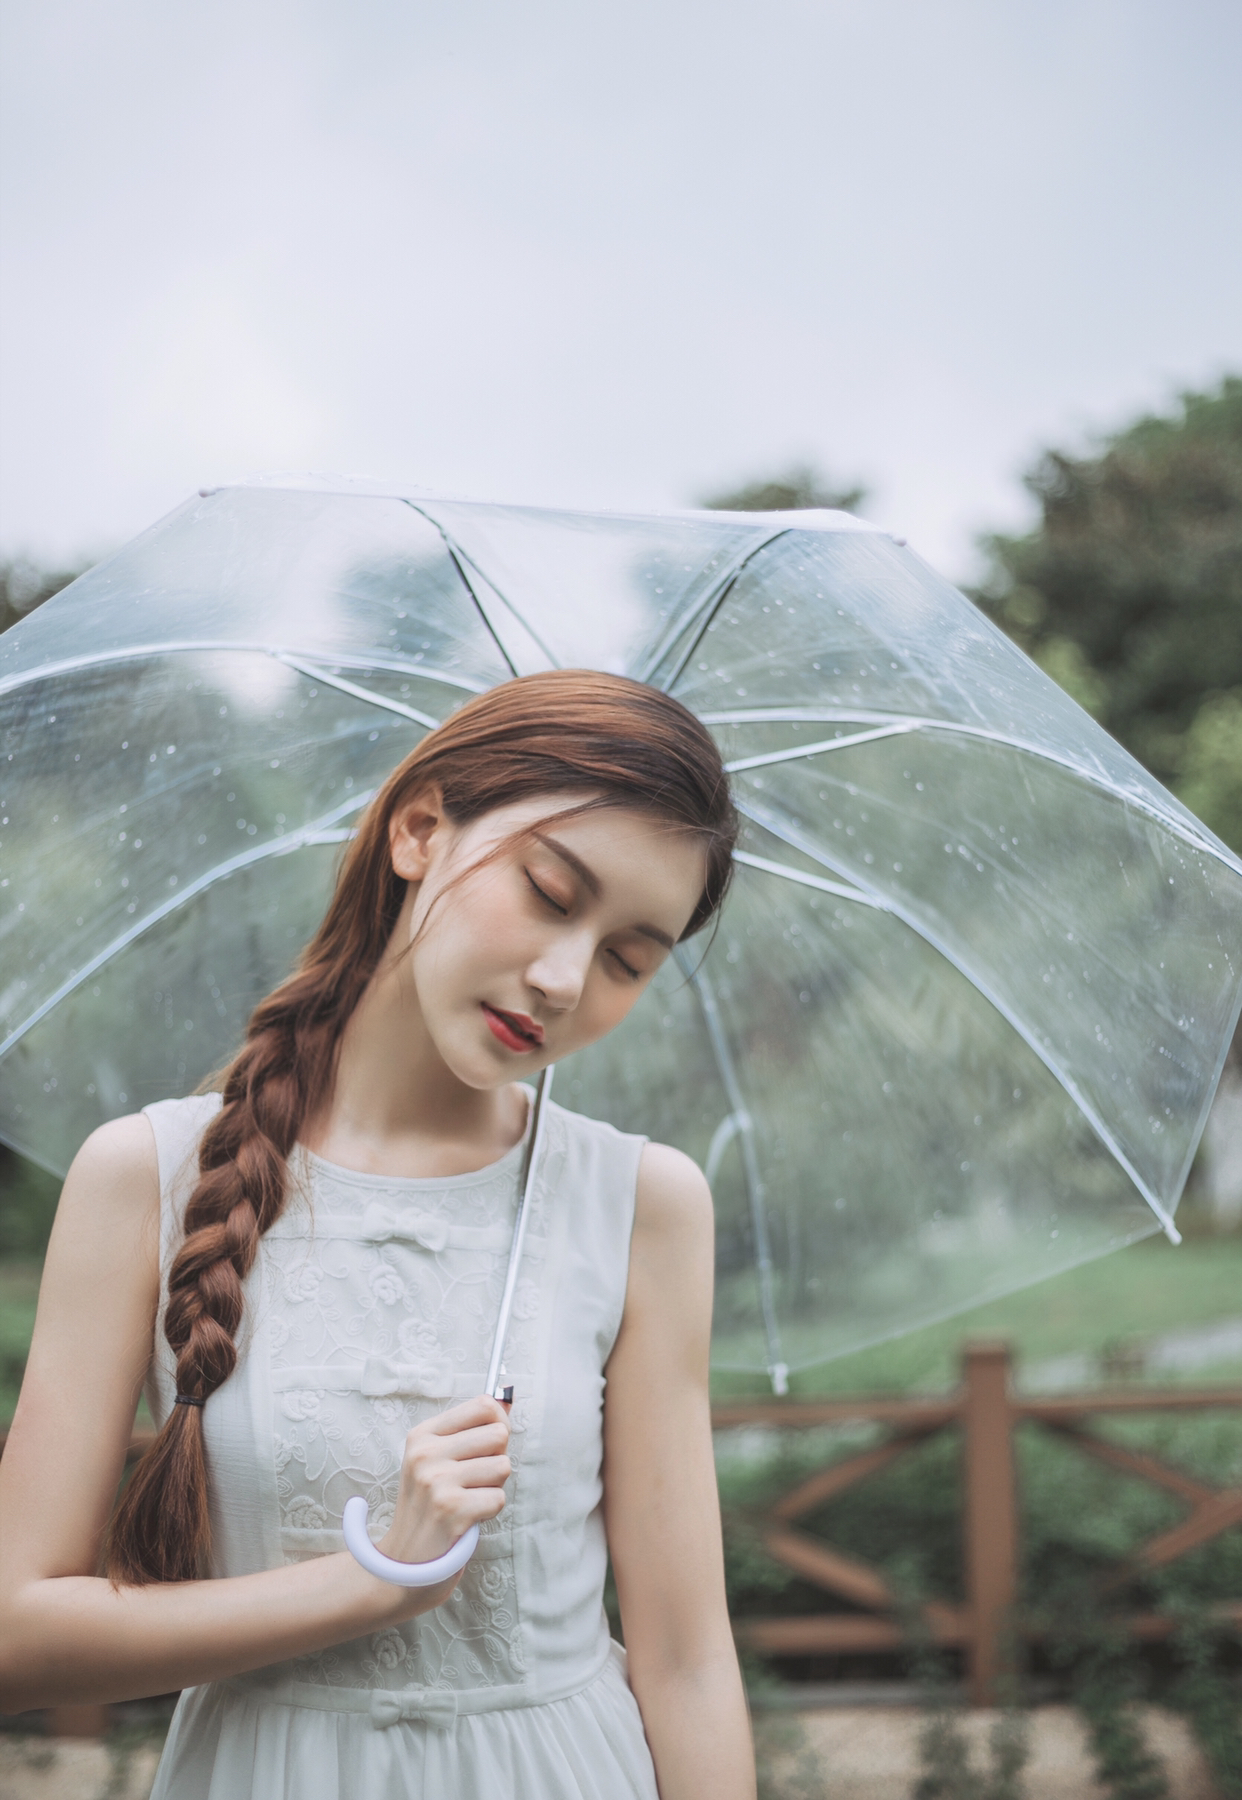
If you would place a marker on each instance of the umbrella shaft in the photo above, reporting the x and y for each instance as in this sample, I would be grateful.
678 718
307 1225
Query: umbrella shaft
534 1144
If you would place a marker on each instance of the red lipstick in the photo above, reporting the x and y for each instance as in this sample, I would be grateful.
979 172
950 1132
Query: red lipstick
516 1031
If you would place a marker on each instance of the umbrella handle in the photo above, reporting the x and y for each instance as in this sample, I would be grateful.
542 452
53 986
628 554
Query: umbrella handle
404 1574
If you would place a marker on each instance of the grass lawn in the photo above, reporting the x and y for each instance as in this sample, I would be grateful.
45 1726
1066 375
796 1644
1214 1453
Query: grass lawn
1146 1290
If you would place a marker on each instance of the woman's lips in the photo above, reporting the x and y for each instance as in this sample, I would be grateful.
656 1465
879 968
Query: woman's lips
516 1031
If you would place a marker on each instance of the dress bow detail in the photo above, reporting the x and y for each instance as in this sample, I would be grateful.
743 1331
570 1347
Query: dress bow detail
431 1706
382 1223
383 1376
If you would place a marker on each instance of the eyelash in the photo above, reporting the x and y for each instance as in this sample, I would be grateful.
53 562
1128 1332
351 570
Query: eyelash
545 896
634 974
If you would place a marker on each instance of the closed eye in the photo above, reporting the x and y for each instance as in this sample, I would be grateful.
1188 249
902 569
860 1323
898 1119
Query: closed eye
626 968
545 896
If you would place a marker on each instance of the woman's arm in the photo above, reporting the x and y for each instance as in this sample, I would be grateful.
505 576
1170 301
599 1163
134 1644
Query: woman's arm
660 1500
66 1634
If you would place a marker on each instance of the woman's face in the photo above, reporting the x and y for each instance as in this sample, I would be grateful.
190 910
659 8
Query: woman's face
546 946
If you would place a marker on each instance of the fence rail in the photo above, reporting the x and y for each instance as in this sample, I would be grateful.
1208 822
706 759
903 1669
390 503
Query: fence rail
986 1411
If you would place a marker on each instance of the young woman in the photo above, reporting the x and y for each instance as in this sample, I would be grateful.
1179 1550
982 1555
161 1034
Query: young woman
305 1267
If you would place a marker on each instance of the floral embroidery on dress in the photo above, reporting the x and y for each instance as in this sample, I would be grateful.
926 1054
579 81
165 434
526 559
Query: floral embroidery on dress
387 1285
385 1300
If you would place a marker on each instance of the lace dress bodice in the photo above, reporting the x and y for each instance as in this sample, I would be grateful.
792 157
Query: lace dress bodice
371 1306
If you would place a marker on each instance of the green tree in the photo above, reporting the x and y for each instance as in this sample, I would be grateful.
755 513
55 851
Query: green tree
797 489
1129 592
23 586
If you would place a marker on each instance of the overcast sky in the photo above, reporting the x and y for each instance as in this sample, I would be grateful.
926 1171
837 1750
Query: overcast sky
614 256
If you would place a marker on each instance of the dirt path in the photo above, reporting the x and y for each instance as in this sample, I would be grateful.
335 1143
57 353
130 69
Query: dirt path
837 1753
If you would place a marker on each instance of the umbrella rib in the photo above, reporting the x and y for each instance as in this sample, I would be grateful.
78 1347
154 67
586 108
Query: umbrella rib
705 605
861 737
479 607
69 665
460 558
318 832
722 1137
832 887
804 880
765 759
932 939
900 727
778 1369
360 693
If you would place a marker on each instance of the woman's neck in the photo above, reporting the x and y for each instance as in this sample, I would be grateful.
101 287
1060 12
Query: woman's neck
396 1108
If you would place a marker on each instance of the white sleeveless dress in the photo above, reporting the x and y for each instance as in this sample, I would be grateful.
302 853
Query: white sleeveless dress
372 1306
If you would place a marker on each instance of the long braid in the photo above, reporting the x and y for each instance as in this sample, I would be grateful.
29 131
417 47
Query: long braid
162 1529
602 736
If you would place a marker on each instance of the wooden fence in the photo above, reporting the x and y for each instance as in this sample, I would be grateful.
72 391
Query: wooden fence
985 1410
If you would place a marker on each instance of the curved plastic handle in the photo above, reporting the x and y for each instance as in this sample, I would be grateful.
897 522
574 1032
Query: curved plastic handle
424 1574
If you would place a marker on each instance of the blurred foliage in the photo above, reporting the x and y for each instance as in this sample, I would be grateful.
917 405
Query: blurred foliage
28 1196
1210 764
948 1769
799 488
1207 1701
786 1765
19 1290
1108 1685
23 586
1129 592
1080 1518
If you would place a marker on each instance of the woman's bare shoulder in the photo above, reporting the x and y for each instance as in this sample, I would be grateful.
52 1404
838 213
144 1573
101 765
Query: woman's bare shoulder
672 1187
672 1195
113 1180
668 1298
120 1150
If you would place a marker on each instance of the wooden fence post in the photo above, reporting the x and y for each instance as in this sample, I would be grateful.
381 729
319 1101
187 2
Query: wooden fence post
990 1513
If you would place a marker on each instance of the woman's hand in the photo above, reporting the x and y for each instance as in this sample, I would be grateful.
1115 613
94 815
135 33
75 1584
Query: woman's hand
453 1474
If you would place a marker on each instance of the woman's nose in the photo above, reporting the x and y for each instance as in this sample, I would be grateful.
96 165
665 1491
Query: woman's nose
559 972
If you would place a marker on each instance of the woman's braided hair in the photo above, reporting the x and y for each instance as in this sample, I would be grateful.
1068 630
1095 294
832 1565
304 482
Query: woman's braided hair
615 742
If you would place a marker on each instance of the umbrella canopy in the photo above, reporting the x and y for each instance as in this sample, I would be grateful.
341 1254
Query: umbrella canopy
968 1002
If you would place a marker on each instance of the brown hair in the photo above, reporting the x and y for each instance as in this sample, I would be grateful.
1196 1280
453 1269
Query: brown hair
612 740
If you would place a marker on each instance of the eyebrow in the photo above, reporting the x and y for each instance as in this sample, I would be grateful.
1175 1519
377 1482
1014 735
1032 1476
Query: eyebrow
590 881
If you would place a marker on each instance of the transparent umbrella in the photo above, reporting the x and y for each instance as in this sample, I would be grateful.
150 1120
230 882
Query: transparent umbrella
968 1002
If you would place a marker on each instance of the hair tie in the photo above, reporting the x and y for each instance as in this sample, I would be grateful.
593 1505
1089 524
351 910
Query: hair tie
188 1400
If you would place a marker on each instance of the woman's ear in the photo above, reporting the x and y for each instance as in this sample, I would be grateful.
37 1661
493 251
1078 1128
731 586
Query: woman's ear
411 830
